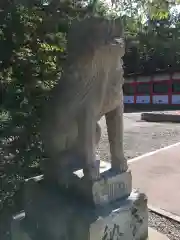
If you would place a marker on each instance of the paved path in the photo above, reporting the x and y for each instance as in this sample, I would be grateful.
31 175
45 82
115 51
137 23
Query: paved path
158 175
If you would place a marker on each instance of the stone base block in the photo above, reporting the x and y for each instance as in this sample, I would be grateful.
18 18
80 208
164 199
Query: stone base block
127 220
52 215
110 187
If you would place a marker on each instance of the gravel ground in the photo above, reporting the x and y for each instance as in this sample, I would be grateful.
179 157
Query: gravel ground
139 138
168 227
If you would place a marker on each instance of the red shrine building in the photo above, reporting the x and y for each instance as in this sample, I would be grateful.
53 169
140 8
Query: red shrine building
161 88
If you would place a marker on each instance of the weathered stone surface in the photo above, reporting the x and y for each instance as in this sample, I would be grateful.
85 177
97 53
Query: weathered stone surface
127 220
90 87
112 187
109 187
55 216
58 206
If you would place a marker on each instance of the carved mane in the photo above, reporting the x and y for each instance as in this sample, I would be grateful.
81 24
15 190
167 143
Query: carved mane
88 59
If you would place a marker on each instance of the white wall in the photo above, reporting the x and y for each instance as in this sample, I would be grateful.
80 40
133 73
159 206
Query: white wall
143 99
128 99
160 99
175 99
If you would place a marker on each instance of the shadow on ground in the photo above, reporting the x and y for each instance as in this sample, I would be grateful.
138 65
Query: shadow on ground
128 108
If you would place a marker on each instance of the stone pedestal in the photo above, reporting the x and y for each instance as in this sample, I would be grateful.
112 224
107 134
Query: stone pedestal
55 215
108 188
123 220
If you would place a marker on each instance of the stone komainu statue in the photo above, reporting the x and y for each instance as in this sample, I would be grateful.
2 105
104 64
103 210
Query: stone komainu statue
90 87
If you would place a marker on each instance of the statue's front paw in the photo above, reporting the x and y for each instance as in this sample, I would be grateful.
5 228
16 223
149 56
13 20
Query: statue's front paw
120 165
123 167
92 171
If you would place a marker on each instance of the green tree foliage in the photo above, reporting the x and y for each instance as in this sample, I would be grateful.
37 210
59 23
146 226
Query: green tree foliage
32 46
152 34
152 41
